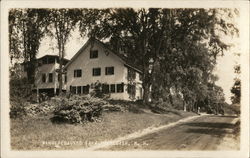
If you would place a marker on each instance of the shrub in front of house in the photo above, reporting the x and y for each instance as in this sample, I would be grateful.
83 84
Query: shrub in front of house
43 108
17 110
20 92
124 106
99 90
78 109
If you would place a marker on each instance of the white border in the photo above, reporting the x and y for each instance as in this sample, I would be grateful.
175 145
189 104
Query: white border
244 37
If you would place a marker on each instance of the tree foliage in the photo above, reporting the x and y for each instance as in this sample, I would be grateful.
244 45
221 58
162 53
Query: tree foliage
236 89
63 21
27 27
176 48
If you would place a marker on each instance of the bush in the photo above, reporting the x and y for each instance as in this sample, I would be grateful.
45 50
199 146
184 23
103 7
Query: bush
123 106
114 107
163 108
78 109
233 109
43 108
17 110
98 91
20 90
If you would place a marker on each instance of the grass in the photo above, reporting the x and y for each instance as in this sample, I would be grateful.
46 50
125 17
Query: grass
41 133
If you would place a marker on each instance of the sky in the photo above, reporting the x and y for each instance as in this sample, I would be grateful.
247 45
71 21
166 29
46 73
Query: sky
225 71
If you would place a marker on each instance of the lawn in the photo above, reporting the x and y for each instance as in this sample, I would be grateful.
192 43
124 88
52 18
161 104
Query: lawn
41 133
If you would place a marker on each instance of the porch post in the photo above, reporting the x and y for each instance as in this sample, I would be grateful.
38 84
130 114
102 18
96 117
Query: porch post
55 84
37 94
55 79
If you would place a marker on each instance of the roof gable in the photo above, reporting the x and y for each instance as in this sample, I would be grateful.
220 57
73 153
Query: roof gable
81 50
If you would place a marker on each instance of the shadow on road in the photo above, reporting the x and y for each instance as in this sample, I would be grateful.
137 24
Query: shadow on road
210 125
208 131
209 128
224 116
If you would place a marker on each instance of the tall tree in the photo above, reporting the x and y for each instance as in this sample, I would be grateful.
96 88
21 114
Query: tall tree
184 43
63 21
27 27
134 29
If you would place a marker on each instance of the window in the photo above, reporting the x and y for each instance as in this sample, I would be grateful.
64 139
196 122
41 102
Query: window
65 79
51 60
122 48
73 89
44 60
43 78
79 89
85 89
120 88
78 73
140 91
105 88
131 74
140 77
109 70
96 71
40 63
50 77
131 90
93 54
112 88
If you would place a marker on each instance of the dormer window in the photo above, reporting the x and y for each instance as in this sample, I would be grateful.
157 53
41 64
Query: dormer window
93 54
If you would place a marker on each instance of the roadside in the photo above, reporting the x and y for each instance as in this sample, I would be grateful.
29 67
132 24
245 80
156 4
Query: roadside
231 141
207 132
138 134
40 133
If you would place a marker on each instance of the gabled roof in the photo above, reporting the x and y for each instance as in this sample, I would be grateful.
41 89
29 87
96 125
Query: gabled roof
122 58
53 56
65 61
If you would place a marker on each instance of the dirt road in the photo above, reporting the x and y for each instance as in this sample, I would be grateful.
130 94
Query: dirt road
203 133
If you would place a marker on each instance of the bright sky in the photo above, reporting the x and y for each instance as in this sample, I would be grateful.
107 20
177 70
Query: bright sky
225 72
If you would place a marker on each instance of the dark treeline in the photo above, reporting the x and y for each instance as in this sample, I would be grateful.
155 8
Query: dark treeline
176 49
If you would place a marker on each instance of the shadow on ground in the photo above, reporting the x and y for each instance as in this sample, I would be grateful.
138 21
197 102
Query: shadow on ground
210 128
211 125
224 116
208 131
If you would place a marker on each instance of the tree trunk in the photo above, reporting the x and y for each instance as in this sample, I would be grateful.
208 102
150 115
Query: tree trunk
31 71
184 106
60 71
170 96
146 92
60 75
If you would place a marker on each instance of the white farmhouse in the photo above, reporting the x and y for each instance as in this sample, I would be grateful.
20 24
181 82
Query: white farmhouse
94 62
